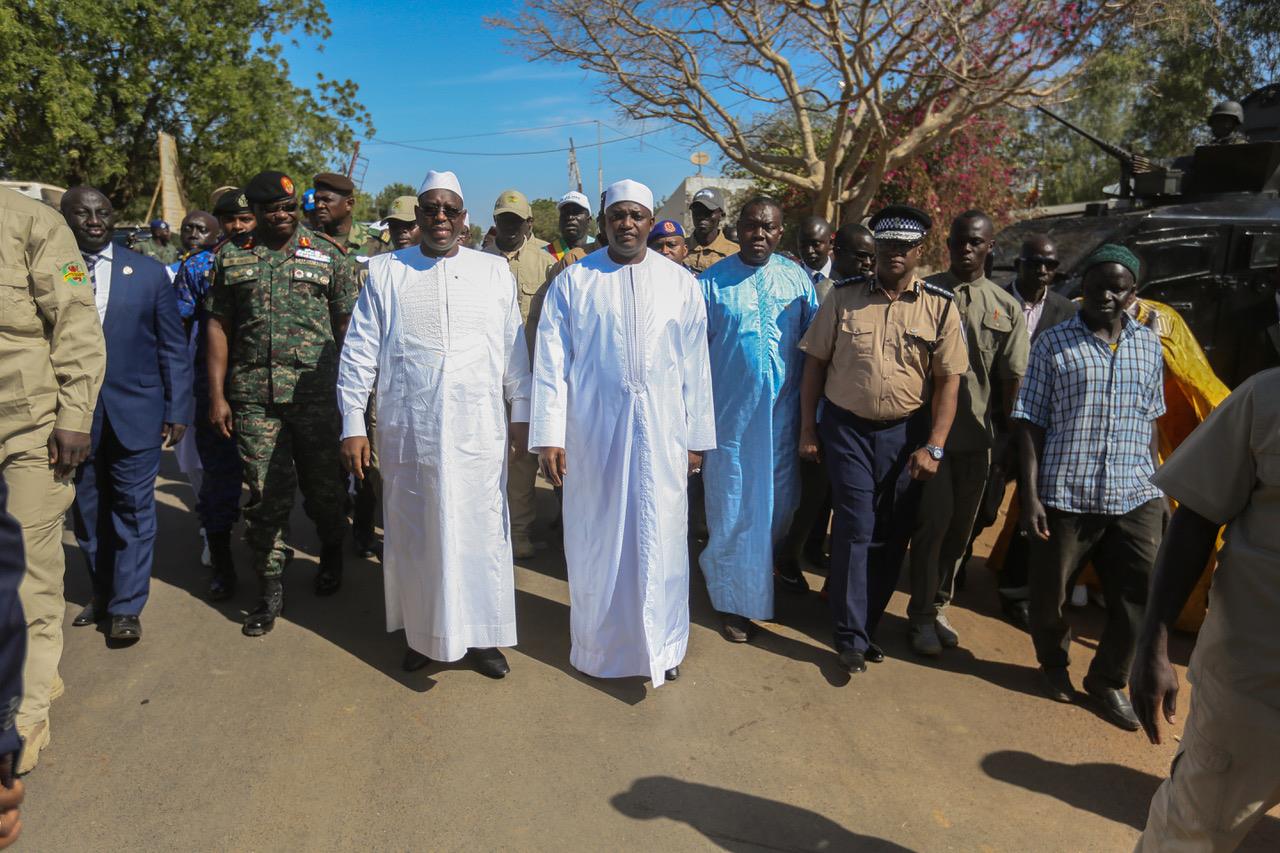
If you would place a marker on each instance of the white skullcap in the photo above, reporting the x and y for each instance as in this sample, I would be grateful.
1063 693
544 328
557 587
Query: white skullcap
441 181
574 197
627 190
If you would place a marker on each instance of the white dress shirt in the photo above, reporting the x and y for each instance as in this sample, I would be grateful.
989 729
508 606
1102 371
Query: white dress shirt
102 280
814 275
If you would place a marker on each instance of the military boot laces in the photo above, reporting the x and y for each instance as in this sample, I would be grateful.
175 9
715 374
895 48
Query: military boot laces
223 583
329 577
271 605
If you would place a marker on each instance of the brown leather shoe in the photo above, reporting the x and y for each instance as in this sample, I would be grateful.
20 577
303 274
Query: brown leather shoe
735 628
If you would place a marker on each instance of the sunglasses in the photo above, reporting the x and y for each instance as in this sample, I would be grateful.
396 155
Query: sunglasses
431 211
283 207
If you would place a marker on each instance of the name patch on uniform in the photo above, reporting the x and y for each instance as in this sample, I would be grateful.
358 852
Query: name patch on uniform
312 255
74 272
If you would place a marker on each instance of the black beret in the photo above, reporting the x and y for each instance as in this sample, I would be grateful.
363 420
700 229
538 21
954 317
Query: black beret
900 222
231 201
334 181
266 187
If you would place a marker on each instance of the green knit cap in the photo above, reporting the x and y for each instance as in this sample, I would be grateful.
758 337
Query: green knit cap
1111 253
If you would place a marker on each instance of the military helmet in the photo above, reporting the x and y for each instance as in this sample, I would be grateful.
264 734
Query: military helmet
1229 108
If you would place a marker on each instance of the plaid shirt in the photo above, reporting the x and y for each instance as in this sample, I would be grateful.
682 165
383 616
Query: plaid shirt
1097 408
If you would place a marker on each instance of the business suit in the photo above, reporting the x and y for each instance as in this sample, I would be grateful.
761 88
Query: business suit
147 385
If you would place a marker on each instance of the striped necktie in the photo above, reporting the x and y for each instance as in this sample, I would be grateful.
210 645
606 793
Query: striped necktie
91 261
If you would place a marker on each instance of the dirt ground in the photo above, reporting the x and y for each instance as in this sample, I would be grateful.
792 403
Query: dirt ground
312 738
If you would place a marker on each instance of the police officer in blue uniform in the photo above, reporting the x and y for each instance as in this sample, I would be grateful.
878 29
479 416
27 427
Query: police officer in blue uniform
885 357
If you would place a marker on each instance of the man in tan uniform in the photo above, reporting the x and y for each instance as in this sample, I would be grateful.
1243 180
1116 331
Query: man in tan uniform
52 359
708 244
1226 774
530 262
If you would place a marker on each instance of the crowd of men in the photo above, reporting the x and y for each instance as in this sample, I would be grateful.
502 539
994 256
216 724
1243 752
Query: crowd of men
666 385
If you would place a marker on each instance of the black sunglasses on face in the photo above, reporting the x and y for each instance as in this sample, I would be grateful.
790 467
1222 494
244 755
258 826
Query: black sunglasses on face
431 211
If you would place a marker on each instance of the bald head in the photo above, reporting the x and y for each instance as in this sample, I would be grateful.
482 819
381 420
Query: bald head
199 230
855 251
1037 264
813 242
90 216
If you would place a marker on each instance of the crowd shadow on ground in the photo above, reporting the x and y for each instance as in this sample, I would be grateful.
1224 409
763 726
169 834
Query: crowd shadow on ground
1113 791
741 822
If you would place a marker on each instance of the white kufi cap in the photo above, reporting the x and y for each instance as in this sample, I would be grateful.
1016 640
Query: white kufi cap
574 197
441 181
628 190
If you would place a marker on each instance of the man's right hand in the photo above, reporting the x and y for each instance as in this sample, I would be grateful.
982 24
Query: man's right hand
220 416
355 455
11 793
67 449
551 462
810 451
1153 688
1035 521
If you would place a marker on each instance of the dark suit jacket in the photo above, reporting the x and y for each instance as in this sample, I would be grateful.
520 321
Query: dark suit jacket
1057 309
148 380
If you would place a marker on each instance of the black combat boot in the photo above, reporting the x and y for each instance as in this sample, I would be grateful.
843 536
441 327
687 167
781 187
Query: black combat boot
329 577
271 605
223 583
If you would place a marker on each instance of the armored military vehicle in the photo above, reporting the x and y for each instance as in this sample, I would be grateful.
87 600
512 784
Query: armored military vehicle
1207 228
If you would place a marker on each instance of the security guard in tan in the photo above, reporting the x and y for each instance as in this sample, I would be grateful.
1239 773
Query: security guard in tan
52 359
887 355
707 243
530 262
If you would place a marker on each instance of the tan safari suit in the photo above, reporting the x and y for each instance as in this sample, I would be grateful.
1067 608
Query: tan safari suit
701 257
529 264
52 358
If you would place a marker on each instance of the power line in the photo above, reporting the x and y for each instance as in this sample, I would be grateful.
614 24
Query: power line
512 131
511 153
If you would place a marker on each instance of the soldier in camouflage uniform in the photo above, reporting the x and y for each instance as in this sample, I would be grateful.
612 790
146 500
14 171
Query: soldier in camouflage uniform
335 203
160 245
278 310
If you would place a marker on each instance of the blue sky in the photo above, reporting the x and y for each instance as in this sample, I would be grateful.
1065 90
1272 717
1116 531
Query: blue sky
433 69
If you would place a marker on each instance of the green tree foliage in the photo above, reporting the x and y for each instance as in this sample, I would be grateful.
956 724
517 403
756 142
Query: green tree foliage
366 208
85 85
387 196
546 219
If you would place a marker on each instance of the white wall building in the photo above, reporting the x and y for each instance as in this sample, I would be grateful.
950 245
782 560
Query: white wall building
676 205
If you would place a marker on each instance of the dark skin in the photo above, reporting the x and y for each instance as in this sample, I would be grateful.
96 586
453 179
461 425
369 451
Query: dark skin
896 264
1036 265
813 241
90 216
1222 126
672 247
970 241
12 792
403 233
853 252
441 219
161 234
626 225
1184 552
760 227
706 223
275 223
333 212
510 231
1106 288
237 226
199 230
574 222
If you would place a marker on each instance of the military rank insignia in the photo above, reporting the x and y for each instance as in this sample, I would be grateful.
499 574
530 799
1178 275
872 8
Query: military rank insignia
74 272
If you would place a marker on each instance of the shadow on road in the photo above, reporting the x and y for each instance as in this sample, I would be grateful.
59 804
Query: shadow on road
741 822
1113 791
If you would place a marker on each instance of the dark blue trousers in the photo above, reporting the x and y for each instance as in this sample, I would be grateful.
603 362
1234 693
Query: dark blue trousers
874 502
218 503
115 520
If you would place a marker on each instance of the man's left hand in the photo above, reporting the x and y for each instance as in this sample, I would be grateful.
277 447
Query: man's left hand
518 439
695 463
923 466
172 433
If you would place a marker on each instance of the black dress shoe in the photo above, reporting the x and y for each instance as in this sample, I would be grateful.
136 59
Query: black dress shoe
874 654
1115 705
329 577
126 628
853 661
1017 611
89 616
1055 681
672 674
791 579
414 661
490 662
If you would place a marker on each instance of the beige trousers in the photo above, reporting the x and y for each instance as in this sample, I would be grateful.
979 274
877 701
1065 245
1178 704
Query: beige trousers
39 503
521 475
1225 775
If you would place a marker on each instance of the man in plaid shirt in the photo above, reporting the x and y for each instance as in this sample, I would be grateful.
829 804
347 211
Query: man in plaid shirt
1085 419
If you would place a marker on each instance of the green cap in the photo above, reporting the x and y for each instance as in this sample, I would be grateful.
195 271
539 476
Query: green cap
1112 253
402 209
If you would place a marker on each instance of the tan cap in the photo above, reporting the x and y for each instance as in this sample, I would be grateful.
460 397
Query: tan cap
402 209
512 201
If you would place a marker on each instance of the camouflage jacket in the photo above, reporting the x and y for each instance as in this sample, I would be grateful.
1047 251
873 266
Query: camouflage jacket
281 308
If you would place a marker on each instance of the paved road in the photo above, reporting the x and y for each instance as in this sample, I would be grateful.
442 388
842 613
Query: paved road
313 739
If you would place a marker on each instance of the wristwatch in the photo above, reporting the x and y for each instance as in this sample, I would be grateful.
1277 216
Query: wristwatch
935 452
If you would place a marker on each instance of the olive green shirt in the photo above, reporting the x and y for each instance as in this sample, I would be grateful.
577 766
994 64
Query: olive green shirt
701 257
281 308
996 332
529 264
52 354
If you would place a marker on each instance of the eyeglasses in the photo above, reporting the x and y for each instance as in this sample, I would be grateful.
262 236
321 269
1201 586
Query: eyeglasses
1038 261
282 207
431 211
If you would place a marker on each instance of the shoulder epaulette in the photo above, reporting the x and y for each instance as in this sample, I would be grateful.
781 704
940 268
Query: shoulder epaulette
861 278
332 240
937 290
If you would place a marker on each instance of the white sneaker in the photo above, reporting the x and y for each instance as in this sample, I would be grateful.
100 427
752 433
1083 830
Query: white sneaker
1080 595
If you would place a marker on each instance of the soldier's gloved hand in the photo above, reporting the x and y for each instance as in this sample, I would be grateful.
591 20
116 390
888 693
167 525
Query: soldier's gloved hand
356 456
67 449
220 416
172 433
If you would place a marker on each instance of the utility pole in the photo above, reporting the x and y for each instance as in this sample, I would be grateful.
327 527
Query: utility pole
599 162
351 170
575 174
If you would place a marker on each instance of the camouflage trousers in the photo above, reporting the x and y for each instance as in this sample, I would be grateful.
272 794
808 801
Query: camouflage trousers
288 447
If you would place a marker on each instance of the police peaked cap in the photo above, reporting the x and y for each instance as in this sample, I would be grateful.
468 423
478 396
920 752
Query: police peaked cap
900 222
266 187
